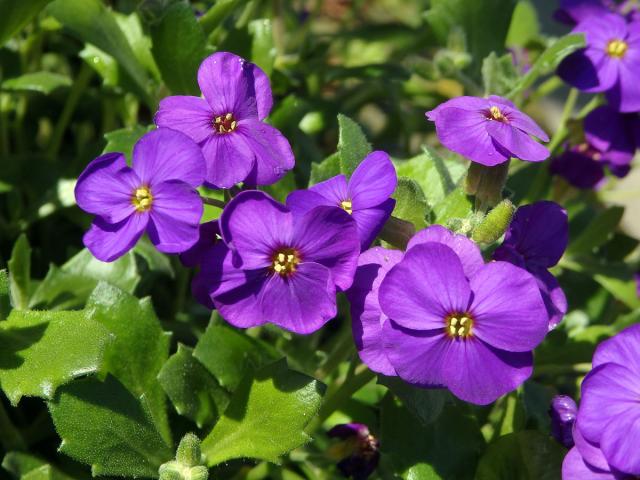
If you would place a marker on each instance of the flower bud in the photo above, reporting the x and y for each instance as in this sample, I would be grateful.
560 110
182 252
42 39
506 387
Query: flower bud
188 464
563 414
486 183
493 226
188 452
357 452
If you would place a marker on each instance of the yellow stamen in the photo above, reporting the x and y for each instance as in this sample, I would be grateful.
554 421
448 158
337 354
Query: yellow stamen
142 199
285 261
458 325
617 48
225 123
347 206
496 114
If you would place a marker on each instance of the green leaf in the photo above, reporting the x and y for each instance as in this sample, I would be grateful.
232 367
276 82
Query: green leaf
123 140
21 463
191 388
291 398
42 82
548 61
20 273
455 205
525 26
352 144
92 22
598 231
425 404
140 43
5 297
263 51
178 47
216 15
485 23
102 424
230 355
140 348
15 14
499 75
411 204
40 351
71 284
414 451
522 455
329 167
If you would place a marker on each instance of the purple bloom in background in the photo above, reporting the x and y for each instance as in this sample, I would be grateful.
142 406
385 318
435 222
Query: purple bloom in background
278 267
488 131
209 240
157 194
358 452
615 135
582 166
536 239
469 332
608 426
636 277
563 413
610 62
228 123
365 196
574 11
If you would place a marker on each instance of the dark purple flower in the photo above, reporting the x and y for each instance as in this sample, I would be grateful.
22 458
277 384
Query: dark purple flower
458 323
488 131
535 240
582 166
156 194
636 277
609 413
574 11
610 62
365 196
615 135
563 413
278 267
209 239
358 452
228 123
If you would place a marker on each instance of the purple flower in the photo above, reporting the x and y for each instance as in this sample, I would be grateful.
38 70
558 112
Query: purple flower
458 323
156 194
536 239
488 131
615 135
636 277
358 452
608 424
610 62
563 413
228 123
574 11
209 240
278 267
582 166
365 196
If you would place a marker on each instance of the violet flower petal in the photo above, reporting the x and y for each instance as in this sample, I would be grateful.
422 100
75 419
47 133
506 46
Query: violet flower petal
229 160
207 238
190 115
373 182
518 143
621 349
574 467
301 201
371 220
108 242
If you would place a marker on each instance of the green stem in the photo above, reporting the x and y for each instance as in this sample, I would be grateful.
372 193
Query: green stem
79 86
214 202
341 395
553 369
340 352
217 14
562 131
11 439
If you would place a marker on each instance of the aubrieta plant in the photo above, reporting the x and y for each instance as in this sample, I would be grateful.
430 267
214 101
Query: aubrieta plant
221 292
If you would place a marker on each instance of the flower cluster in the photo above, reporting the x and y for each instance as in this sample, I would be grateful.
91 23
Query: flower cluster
607 429
609 64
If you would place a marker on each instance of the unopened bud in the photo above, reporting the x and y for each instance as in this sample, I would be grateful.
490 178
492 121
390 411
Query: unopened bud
188 464
189 453
486 183
563 414
493 226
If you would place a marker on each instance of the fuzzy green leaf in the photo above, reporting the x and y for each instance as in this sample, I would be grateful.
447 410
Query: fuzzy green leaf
42 82
329 167
262 46
192 389
411 204
353 145
598 231
499 75
102 424
5 298
140 348
40 351
124 139
425 404
291 400
20 273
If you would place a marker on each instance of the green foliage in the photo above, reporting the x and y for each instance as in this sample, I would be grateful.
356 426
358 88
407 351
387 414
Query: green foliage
5 297
244 431
353 145
104 425
20 273
411 204
40 351
329 167
124 139
499 74
425 404
14 15
42 82
599 231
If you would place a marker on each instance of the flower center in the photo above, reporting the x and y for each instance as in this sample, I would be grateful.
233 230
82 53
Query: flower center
347 206
617 48
225 123
496 114
142 199
285 261
458 325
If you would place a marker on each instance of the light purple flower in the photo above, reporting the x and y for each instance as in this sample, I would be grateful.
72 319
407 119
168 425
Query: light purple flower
458 323
535 240
228 123
563 413
156 194
278 267
608 422
574 11
610 62
488 131
358 452
365 196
